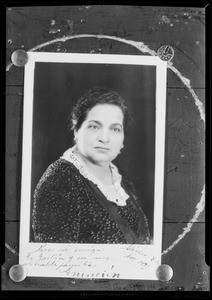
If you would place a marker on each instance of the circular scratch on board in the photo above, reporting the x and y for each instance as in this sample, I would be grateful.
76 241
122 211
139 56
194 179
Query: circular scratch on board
145 49
199 208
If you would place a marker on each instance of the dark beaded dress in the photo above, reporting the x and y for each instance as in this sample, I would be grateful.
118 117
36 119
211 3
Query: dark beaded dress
69 208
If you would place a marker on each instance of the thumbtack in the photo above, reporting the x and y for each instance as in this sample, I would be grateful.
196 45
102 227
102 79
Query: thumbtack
164 272
165 52
17 273
19 58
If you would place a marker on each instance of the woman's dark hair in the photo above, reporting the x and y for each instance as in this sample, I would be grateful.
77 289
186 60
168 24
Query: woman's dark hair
94 97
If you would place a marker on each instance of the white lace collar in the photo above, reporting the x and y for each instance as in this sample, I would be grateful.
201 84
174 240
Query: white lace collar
121 195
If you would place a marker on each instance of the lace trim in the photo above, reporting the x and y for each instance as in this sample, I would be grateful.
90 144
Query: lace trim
121 195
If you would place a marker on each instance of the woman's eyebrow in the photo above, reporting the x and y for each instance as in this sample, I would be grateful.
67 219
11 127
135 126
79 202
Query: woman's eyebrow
117 124
95 121
99 123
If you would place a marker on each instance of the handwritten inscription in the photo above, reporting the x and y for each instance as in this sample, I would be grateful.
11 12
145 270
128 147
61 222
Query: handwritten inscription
139 257
91 261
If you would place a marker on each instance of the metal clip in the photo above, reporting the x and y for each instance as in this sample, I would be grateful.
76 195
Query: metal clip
164 273
17 273
165 52
19 58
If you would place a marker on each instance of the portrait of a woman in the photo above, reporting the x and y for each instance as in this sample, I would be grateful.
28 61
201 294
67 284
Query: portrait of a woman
83 197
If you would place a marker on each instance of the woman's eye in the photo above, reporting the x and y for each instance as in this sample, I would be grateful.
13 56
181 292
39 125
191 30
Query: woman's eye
93 127
116 129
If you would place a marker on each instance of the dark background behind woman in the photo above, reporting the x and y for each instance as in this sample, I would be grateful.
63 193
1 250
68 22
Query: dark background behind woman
57 86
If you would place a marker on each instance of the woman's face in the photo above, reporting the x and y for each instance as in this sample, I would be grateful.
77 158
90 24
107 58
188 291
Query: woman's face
101 135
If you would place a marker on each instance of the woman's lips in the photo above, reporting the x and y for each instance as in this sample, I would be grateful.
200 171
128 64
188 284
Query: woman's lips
102 148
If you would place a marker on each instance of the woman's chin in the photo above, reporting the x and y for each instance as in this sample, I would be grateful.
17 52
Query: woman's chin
103 159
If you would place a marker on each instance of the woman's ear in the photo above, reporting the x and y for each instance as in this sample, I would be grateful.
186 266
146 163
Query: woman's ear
122 146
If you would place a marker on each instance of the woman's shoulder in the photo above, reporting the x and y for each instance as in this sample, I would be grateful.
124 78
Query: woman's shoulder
127 182
60 171
124 176
60 167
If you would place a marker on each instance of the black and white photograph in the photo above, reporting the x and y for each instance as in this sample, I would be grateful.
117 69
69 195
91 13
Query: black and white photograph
90 177
105 182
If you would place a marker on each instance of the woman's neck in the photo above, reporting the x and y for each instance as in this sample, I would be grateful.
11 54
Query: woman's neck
102 171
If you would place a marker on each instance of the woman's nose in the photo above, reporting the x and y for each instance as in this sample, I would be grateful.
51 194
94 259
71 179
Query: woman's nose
104 136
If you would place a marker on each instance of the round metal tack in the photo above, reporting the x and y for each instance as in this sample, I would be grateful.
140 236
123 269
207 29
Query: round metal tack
165 52
164 273
17 273
19 58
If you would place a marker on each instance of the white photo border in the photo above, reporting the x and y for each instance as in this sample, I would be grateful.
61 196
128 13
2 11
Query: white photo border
112 261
